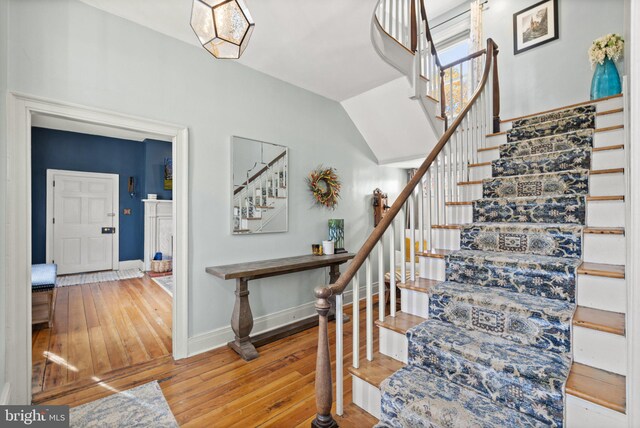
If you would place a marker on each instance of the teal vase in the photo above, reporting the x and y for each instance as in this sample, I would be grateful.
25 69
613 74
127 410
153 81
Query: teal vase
606 80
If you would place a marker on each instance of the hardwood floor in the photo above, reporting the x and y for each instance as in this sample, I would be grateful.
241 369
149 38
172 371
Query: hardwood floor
219 389
101 328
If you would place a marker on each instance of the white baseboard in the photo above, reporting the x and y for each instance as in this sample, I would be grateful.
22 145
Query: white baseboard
5 394
131 264
221 336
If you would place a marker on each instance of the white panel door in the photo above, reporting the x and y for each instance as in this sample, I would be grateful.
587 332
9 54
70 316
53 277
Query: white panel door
83 204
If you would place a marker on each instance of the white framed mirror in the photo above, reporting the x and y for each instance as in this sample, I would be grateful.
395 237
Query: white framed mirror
259 193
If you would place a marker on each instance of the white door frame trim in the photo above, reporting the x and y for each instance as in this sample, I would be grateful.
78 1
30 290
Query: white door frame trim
115 250
632 119
17 308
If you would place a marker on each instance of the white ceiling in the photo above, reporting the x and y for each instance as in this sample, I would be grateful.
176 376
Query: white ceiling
320 45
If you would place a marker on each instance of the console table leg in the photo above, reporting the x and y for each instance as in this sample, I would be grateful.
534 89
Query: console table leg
242 322
334 274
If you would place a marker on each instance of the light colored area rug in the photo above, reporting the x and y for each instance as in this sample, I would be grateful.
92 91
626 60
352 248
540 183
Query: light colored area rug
166 282
143 406
89 278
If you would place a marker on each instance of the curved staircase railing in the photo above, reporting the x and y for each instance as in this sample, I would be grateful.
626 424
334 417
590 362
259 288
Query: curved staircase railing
424 197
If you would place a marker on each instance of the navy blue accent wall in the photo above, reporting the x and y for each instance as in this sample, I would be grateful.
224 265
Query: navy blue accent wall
72 151
155 154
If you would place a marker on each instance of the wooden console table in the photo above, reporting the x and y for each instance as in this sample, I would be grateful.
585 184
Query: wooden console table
242 318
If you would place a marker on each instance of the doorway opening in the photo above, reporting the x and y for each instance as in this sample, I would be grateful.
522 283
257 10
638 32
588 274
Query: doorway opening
104 321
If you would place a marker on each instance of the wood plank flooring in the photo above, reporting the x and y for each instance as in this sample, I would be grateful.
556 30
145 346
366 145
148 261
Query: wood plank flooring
219 389
101 328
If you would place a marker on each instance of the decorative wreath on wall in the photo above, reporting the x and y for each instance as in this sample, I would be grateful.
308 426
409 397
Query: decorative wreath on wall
325 185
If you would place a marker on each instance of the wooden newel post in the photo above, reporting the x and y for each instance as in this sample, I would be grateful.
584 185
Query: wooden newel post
496 91
324 385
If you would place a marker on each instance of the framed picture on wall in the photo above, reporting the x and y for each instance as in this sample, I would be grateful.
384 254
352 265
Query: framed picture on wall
535 25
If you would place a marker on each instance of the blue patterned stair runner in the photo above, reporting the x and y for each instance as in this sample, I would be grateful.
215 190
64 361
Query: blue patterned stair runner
496 349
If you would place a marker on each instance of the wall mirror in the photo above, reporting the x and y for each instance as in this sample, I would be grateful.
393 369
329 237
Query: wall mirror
259 177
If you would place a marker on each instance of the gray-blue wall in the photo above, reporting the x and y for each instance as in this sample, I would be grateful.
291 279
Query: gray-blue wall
69 51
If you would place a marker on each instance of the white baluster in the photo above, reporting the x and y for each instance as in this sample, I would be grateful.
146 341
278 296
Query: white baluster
369 303
412 236
339 355
436 187
429 197
403 245
381 285
392 269
355 320
421 216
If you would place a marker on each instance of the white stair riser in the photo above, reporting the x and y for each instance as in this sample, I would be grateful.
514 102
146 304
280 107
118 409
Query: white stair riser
609 249
594 348
414 302
599 214
366 396
612 104
599 185
596 248
393 345
609 294
607 159
599 349
601 139
580 413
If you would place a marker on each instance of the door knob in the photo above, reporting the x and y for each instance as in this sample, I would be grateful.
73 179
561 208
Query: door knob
108 230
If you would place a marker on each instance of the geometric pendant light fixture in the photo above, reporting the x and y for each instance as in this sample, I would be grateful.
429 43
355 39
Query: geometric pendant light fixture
223 27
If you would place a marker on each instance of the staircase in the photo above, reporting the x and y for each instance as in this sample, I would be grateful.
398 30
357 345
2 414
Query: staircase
513 293
261 198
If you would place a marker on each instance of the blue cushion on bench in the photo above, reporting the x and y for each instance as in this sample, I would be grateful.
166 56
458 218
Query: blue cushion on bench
43 277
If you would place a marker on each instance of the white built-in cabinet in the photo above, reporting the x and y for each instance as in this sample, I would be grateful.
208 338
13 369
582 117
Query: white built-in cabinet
158 229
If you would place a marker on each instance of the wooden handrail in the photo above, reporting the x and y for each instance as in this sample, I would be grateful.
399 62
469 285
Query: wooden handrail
464 59
324 386
259 173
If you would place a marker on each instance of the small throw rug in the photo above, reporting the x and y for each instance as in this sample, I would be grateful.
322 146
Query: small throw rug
90 278
143 406
496 350
166 282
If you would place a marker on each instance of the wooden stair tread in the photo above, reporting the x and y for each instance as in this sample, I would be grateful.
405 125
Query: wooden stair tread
597 386
434 253
605 198
607 171
583 103
588 230
609 128
605 148
374 372
607 112
401 322
603 129
604 230
595 149
592 172
589 199
597 319
474 165
602 269
422 285
588 383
